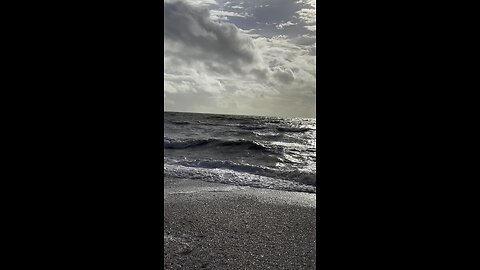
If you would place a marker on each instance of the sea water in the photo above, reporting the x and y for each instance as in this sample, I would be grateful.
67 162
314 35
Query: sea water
257 151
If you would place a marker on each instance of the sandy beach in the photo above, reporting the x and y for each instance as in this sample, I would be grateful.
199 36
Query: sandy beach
216 226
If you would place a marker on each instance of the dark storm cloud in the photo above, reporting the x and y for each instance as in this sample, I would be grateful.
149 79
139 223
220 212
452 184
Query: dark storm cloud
192 28
284 76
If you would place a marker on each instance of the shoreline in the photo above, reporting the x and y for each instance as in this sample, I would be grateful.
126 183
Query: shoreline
219 226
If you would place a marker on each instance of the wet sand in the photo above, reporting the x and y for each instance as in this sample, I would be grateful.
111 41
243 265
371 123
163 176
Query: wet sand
216 226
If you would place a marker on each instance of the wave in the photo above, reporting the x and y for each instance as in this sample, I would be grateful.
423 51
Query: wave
209 123
298 176
228 176
252 127
267 152
180 122
225 117
268 135
243 144
292 129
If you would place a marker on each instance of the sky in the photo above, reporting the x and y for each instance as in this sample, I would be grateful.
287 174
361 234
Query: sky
249 57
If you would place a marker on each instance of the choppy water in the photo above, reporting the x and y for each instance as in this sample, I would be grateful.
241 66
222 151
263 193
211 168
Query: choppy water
266 152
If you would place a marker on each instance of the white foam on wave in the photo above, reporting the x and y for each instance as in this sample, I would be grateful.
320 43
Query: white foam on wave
227 176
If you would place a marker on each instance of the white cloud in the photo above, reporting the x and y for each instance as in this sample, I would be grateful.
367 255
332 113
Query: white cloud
212 65
283 25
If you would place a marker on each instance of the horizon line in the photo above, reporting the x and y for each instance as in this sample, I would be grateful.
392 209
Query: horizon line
233 114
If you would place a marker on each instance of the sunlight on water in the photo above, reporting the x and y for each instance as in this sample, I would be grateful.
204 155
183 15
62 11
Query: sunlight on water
268 152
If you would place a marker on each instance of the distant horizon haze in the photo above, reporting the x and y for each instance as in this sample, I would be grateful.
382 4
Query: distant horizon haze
239 114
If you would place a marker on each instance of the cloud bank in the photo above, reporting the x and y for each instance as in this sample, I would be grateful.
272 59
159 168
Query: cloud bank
228 57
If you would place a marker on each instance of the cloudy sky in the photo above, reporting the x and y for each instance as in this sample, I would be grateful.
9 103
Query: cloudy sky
254 57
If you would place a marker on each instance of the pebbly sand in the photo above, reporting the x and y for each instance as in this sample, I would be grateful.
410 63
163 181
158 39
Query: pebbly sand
216 226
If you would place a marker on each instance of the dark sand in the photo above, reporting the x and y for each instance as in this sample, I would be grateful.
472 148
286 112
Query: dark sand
215 226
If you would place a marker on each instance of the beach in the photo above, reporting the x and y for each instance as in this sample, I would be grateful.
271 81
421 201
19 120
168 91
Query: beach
217 226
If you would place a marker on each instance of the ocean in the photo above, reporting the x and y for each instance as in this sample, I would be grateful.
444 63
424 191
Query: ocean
257 151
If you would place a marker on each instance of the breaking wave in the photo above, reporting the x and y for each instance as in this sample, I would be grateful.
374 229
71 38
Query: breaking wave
212 143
